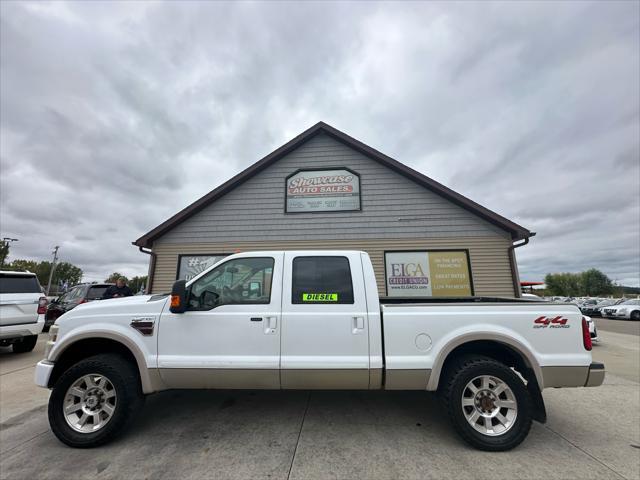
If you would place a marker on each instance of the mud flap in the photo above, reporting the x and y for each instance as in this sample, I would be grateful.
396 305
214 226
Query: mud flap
539 410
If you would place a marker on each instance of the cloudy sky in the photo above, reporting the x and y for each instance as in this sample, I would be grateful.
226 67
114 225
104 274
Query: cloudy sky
114 116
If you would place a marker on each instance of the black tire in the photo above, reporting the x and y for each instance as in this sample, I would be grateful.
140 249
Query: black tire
635 315
124 377
459 375
25 345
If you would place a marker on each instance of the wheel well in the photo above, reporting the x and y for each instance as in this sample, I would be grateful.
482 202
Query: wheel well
87 348
510 357
490 348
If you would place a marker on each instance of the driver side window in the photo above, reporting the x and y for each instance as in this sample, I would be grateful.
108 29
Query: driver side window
240 281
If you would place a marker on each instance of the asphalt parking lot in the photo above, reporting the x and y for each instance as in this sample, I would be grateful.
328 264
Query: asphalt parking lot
591 433
618 326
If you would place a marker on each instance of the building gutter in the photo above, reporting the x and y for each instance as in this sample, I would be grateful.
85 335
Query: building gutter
152 266
512 264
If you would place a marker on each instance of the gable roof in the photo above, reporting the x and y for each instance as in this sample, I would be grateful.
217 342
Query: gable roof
516 231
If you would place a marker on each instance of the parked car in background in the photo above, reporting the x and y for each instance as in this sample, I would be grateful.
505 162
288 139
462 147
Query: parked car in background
22 308
629 310
593 331
83 293
586 303
532 297
591 307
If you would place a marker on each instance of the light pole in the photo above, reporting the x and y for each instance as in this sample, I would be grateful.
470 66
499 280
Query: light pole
53 267
5 247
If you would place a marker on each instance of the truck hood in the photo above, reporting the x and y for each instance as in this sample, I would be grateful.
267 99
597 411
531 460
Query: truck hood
138 304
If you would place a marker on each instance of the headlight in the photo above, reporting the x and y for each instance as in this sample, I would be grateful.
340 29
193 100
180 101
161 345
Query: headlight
623 311
53 336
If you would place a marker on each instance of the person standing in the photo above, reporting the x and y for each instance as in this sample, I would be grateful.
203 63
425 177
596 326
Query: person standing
120 289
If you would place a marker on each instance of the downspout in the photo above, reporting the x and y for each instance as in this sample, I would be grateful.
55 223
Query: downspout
512 264
152 266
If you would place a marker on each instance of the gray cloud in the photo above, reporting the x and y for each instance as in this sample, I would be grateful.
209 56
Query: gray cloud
116 115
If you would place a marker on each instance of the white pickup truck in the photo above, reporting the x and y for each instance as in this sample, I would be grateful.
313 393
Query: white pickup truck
312 320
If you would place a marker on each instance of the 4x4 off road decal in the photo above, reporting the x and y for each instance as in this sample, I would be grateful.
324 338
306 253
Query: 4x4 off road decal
319 297
556 322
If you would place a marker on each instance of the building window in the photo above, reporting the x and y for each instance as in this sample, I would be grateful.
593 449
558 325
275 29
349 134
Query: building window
324 280
190 266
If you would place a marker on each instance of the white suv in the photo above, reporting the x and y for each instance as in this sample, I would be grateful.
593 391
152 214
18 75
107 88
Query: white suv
22 309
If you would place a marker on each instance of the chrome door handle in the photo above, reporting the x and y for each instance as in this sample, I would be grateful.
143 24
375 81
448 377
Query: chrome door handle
357 325
272 325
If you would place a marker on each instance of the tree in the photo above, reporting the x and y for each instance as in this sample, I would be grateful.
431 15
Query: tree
134 283
64 271
564 284
4 252
114 277
593 282
590 283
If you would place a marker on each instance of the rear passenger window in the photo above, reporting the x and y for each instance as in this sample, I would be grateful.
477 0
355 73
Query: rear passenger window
19 284
324 280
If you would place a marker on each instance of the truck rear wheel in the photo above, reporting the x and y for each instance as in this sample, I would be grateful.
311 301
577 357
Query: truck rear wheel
488 404
94 400
25 345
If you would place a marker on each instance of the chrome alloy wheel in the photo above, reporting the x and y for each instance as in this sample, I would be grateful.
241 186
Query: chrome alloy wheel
89 403
489 405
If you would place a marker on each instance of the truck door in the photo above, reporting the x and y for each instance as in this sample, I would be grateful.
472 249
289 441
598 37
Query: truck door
229 337
325 334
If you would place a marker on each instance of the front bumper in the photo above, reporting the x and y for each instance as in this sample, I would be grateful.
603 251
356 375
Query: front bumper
596 375
43 373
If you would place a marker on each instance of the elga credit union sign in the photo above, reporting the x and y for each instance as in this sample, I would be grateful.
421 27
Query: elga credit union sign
322 191
428 274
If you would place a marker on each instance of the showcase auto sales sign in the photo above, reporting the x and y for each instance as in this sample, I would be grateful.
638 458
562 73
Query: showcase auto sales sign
323 191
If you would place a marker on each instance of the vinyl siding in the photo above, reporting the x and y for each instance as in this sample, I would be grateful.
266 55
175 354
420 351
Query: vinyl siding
392 206
397 214
489 258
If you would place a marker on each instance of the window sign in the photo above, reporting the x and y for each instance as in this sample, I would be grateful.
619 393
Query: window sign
428 274
190 266
322 191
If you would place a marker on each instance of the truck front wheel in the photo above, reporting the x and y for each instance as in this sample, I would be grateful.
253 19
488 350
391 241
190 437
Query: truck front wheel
488 404
93 401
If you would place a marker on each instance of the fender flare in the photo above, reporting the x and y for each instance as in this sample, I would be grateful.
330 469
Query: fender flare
149 378
515 345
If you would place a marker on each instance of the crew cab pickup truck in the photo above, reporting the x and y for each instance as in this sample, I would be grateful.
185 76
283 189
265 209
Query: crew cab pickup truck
312 320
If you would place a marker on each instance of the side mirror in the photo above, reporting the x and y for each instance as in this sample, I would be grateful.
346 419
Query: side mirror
179 297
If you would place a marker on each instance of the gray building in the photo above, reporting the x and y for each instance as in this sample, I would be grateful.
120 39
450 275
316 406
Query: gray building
326 190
